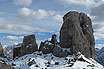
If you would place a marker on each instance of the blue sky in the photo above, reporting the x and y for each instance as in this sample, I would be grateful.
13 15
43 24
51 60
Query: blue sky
43 18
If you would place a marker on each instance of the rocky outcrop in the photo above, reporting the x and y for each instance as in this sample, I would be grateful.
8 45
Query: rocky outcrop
52 47
28 46
77 34
54 40
5 66
47 46
1 51
16 52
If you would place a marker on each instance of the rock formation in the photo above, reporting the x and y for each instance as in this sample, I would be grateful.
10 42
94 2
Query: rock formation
54 40
77 34
1 51
28 46
16 52
52 47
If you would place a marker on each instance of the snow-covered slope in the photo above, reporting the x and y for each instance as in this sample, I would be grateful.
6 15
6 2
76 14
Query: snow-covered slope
42 61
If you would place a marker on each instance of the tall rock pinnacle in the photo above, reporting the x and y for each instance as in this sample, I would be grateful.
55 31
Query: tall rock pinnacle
77 34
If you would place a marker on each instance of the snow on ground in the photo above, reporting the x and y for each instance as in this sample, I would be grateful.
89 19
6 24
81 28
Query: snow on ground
51 62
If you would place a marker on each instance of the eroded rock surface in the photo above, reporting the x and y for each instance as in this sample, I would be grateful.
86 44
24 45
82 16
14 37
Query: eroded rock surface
77 33
28 46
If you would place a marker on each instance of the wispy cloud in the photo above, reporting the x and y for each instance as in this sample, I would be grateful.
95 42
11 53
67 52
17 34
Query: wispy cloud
23 2
86 3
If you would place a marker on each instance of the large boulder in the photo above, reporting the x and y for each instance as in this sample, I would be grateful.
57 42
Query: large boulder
57 51
1 51
48 47
77 34
29 45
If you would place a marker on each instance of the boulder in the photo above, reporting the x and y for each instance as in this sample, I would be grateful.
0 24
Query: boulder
1 51
47 48
31 62
57 51
64 53
77 34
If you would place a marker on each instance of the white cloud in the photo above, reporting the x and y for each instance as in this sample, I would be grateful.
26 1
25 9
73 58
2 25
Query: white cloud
58 18
2 13
40 34
23 2
38 14
18 27
99 36
98 13
14 37
87 3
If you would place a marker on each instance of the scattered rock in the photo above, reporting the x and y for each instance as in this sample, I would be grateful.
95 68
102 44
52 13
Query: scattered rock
56 63
13 64
31 62
77 33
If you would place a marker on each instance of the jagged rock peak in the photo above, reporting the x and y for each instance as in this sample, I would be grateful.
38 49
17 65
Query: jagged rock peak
77 33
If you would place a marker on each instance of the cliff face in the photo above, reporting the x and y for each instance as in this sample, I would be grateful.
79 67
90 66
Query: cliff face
77 33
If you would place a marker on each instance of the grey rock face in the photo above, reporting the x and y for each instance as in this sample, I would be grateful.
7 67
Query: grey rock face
41 46
48 47
1 51
77 33
54 40
16 52
64 53
29 45
5 66
57 51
